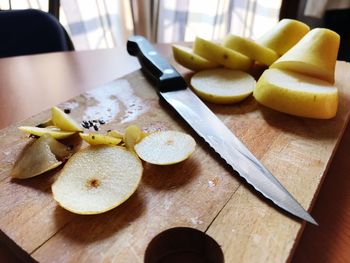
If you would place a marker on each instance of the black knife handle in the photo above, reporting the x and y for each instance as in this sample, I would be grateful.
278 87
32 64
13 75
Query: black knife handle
154 65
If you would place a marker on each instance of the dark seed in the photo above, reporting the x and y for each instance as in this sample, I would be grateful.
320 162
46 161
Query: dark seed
101 122
67 111
95 128
93 137
85 124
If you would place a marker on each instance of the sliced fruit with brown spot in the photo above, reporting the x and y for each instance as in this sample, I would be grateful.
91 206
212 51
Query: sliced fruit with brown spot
97 179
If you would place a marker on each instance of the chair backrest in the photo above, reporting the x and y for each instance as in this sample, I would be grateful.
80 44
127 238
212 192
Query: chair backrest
31 31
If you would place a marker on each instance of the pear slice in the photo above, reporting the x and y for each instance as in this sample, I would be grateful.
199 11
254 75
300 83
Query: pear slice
97 179
115 134
53 131
165 147
63 121
42 155
251 49
296 94
222 55
284 35
314 55
132 135
97 139
222 86
187 58
44 124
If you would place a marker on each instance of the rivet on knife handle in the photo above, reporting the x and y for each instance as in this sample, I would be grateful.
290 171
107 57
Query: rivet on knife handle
155 66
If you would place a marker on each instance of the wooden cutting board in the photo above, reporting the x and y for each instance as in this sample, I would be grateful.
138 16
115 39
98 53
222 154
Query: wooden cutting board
202 192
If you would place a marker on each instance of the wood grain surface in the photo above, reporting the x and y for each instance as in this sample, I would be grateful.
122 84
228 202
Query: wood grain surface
31 84
201 193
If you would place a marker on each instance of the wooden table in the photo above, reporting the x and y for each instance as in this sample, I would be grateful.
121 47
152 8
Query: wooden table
31 84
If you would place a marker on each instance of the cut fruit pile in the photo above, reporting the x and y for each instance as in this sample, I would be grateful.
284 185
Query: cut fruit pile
301 75
106 173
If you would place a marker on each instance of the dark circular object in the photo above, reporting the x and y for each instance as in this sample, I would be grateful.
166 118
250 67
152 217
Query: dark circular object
183 244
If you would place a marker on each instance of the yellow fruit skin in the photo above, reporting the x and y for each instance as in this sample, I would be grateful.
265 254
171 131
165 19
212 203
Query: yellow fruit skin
284 35
97 139
222 55
57 134
132 135
315 55
187 58
298 103
64 121
251 49
115 134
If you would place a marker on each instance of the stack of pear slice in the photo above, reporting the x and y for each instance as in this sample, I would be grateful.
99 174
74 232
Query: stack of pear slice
223 68
300 78
301 82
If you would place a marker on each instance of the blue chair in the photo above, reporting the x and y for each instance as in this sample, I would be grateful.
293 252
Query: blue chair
31 31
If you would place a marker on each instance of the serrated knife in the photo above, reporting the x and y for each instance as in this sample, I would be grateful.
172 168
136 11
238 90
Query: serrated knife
173 88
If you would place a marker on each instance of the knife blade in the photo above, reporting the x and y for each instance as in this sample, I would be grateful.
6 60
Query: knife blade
173 88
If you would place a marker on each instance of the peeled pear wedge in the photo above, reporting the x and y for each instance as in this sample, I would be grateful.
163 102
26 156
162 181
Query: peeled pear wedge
63 121
251 49
284 35
165 147
296 94
314 55
42 155
221 55
53 131
223 86
97 179
187 58
97 139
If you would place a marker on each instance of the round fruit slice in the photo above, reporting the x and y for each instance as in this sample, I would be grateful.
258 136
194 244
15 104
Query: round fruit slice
187 58
43 155
96 139
97 179
251 49
165 147
223 86
54 132
63 120
296 94
222 55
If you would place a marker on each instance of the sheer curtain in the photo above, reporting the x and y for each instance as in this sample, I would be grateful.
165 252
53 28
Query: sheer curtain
182 20
94 24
